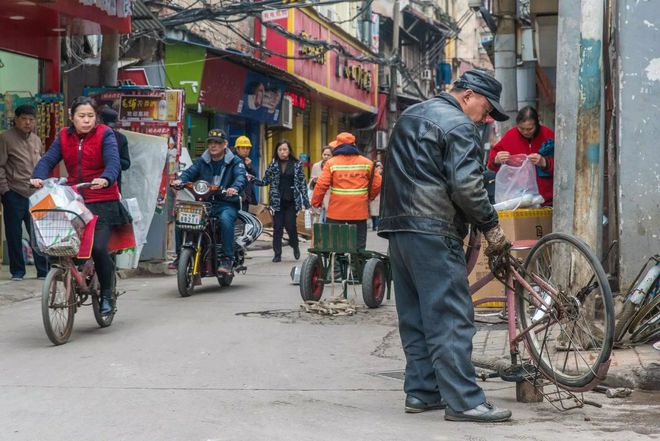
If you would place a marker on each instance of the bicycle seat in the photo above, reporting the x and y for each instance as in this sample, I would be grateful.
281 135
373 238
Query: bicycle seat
521 245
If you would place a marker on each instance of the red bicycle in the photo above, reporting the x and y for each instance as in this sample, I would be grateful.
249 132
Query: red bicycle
558 307
71 282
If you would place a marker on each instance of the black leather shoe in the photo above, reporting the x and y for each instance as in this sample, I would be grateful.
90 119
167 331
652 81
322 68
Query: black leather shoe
277 259
415 405
105 307
483 413
296 253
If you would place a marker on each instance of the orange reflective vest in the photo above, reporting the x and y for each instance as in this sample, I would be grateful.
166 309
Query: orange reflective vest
346 177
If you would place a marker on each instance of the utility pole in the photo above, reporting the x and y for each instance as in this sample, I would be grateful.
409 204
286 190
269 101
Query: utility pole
588 214
109 59
505 59
396 18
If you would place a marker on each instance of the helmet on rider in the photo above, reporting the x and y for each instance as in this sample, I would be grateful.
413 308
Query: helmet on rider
243 141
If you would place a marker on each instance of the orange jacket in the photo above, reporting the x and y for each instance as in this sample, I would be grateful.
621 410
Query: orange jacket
347 179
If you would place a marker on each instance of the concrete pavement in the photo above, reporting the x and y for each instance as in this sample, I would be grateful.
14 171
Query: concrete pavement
243 363
636 367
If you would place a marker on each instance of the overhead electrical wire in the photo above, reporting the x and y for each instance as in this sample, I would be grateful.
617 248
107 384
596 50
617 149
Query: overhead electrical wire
225 13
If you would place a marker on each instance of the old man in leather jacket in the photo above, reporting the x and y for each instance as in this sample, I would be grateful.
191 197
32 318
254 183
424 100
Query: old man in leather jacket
432 188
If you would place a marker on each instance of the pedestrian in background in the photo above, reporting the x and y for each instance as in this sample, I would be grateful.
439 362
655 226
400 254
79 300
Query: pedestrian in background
533 139
20 151
243 147
374 206
432 188
352 181
326 154
287 195
108 117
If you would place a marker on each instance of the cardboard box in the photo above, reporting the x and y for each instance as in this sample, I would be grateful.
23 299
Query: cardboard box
300 226
263 214
521 224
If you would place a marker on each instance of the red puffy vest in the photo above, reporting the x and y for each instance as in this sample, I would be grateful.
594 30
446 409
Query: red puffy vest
83 158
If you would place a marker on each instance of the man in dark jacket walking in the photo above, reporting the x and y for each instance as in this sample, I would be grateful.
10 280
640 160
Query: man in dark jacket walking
432 188
109 118
219 166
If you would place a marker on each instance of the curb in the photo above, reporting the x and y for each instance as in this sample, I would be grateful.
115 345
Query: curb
644 378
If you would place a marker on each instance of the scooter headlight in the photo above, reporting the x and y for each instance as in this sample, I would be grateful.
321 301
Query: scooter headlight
201 187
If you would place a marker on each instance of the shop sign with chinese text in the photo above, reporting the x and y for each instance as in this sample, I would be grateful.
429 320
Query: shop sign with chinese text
114 8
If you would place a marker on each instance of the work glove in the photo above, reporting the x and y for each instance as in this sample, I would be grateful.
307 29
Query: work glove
497 242
498 253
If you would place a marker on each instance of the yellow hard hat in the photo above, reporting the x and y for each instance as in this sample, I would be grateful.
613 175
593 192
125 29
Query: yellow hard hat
243 141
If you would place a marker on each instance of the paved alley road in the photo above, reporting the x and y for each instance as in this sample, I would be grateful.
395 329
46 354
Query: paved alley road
242 363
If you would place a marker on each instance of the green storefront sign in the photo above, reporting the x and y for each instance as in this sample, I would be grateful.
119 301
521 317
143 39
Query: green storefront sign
184 65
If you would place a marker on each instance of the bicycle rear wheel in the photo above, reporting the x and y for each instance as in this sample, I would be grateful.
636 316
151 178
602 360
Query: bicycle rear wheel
58 305
573 333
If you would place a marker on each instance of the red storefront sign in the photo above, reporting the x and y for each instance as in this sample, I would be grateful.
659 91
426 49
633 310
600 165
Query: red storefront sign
342 78
222 84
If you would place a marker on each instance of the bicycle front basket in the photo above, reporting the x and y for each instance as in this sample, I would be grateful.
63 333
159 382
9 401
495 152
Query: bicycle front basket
57 232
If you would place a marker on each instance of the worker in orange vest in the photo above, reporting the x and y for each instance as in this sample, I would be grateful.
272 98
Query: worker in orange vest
353 181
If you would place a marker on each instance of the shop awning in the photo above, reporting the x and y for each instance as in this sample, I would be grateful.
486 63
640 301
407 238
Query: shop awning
293 83
55 17
143 20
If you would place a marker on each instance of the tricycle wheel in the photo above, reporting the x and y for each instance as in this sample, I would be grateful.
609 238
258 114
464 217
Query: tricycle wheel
184 273
311 278
374 281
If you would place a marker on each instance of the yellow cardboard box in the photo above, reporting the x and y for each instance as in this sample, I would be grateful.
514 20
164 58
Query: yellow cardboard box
521 224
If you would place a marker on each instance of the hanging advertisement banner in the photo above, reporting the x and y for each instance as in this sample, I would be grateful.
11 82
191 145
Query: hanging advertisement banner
262 98
149 110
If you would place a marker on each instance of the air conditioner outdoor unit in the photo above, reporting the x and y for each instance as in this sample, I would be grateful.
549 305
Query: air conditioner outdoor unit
286 119
381 140
427 74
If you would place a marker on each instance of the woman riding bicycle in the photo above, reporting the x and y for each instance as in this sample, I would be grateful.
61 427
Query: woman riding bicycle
90 154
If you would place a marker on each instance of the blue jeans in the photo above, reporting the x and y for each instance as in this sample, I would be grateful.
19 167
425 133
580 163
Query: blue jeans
16 213
227 213
436 318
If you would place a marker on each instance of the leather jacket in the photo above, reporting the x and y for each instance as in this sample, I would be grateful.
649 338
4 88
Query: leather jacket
433 181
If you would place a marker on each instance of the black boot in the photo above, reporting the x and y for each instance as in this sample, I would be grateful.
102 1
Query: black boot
106 306
296 252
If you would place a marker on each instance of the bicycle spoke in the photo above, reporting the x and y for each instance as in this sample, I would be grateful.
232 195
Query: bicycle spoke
567 333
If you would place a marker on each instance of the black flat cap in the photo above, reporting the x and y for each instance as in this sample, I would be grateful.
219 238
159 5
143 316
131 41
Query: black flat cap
480 82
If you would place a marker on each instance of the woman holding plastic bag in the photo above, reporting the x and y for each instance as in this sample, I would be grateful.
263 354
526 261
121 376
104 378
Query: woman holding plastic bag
533 140
90 154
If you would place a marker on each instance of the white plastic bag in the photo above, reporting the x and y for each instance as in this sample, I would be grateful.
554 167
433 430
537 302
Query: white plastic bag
515 181
140 230
55 195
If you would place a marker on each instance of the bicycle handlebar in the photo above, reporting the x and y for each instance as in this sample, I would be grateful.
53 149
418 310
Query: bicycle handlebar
76 186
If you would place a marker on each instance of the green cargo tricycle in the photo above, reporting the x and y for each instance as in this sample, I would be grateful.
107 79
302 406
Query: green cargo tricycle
335 253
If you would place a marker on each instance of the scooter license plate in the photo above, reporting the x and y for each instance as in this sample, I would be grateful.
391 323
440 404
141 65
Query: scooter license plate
190 218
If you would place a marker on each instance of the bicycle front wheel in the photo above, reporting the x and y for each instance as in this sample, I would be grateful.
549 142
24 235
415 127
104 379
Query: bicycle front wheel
571 332
58 305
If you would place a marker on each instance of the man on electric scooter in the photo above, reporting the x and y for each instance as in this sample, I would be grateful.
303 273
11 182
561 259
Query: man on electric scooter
219 166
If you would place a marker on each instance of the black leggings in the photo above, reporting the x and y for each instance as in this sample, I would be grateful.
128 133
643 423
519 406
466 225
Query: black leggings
102 260
285 218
